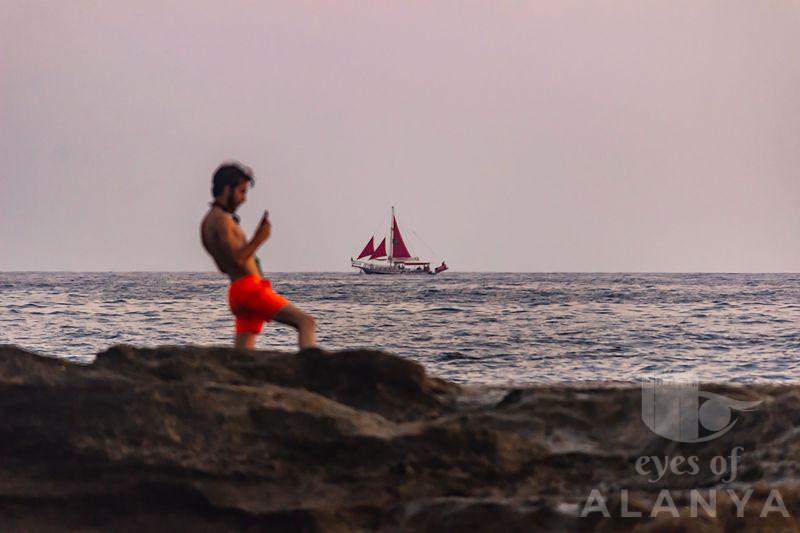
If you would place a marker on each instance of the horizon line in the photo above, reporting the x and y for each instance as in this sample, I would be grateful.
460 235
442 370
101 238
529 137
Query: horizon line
451 272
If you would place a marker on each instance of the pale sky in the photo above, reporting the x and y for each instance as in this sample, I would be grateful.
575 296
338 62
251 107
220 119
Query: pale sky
547 135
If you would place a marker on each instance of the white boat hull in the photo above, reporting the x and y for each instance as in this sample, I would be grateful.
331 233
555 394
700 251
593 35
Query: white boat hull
397 269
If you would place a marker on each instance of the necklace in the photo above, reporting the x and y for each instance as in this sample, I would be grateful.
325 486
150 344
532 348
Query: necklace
233 215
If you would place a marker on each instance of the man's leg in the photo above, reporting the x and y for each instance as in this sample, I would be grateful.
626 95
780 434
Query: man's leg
245 340
301 321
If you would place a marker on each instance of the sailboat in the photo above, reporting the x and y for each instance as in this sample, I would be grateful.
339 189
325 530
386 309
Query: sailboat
396 260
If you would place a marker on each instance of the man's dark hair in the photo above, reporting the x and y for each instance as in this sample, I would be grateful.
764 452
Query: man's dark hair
231 174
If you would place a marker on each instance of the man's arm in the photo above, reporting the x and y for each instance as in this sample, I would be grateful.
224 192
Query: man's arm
240 254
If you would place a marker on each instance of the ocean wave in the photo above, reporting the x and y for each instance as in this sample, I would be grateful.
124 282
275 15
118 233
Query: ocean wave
491 328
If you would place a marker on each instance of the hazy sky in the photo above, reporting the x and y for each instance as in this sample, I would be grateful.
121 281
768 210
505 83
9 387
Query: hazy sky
547 135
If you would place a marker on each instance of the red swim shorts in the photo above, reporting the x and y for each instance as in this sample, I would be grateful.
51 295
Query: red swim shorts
253 302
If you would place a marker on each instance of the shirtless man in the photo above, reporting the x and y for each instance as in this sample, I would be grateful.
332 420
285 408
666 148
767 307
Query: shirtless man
251 298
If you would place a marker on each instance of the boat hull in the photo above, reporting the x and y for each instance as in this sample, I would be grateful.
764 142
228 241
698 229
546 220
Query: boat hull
396 272
393 270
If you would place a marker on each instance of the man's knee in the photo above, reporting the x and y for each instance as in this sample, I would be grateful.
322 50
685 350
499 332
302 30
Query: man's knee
296 318
307 321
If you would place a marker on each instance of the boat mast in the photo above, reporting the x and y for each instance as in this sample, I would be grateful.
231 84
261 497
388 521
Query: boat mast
391 237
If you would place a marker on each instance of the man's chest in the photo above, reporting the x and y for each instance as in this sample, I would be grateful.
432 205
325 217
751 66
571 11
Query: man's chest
238 234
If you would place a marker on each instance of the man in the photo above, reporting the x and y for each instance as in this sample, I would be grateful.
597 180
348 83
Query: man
251 298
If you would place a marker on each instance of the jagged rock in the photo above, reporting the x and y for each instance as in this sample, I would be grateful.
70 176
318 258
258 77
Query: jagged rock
216 439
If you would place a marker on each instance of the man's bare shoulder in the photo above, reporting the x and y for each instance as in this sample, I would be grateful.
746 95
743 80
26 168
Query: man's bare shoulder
216 221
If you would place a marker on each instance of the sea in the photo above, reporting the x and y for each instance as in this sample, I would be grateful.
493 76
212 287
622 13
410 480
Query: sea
471 328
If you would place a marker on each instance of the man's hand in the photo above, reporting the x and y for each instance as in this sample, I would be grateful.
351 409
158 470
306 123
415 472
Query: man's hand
264 229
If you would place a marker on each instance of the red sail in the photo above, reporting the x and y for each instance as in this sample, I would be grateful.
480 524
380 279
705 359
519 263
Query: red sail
368 249
380 251
399 249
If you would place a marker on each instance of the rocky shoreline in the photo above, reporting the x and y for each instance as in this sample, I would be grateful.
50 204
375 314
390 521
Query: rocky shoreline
215 439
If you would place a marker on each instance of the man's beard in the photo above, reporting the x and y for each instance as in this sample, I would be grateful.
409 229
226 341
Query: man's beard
229 202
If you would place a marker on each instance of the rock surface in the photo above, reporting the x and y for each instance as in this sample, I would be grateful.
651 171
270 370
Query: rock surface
215 439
